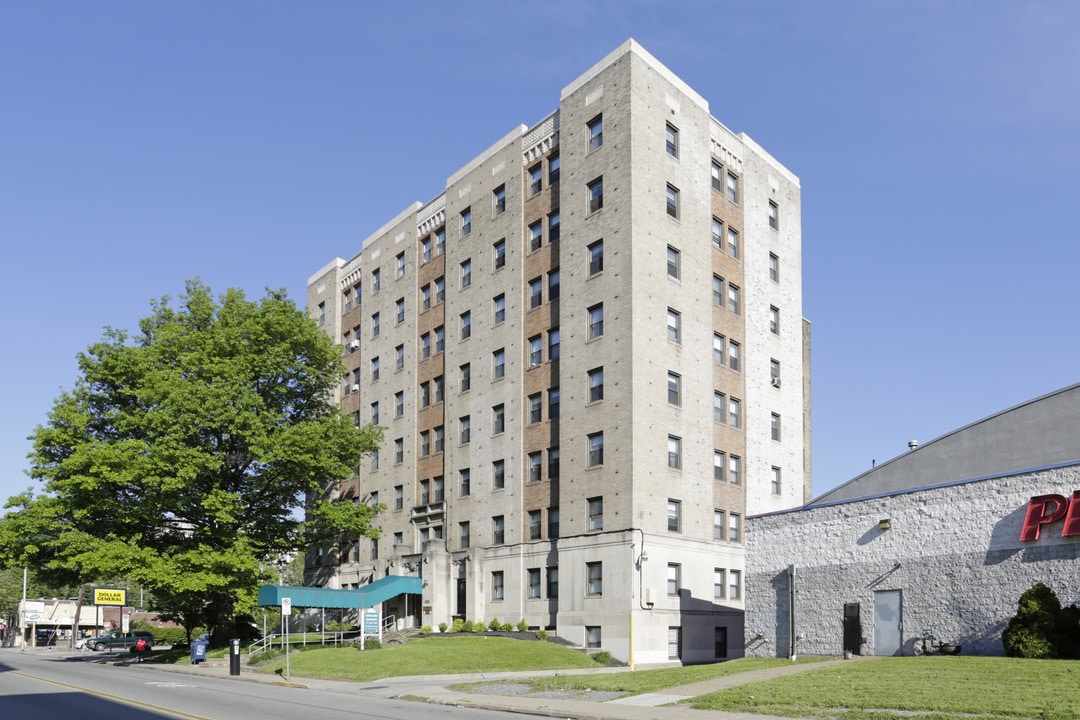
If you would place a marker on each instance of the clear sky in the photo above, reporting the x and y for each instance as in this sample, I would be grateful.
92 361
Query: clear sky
250 142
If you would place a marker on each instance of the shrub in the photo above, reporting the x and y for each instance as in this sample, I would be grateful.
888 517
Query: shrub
1041 628
466 626
371 644
506 627
522 626
603 657
425 629
494 625
541 634
173 636
458 625
442 627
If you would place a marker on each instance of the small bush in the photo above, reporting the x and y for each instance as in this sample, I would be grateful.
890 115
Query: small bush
522 626
458 625
442 627
494 625
506 627
1041 628
541 634
466 626
425 629
603 657
371 644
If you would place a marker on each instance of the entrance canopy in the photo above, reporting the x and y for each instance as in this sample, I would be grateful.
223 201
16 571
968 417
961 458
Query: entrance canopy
367 596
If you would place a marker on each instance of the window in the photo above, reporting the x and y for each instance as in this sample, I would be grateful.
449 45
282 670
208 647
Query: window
674 395
673 201
734 584
596 195
596 384
720 642
553 169
553 466
553 525
498 250
425 346
674 326
348 301
497 582
466 273
535 465
732 187
399 497
553 227
594 573
674 578
733 242
375 413
498 419
400 313
498 304
399 539
400 264
498 200
774 426
464 531
497 531
719 581
536 351
774 267
775 486
536 293
734 527
465 325
596 133
534 408
734 355
734 412
464 482
536 175
465 429
534 580
719 404
498 474
592 636
553 285
774 215
671 143
718 290
425 445
733 298
440 339
425 250
375 325
674 516
553 404
465 377
399 403
595 449
440 290
718 343
553 344
374 369
673 263
437 486
674 642
596 513
534 534
596 257
376 280
425 298
717 234
734 469
440 241
596 321
536 236
553 580
399 451
718 524
498 364
774 320
774 372
466 221
717 177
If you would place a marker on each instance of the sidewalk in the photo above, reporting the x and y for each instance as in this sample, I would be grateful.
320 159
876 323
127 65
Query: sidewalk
436 689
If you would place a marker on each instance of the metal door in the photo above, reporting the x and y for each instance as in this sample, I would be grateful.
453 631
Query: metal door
887 616
852 629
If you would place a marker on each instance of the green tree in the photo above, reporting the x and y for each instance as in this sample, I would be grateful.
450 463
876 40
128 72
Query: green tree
183 454
1041 628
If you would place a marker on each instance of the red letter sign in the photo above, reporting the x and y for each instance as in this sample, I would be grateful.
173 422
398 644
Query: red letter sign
1042 510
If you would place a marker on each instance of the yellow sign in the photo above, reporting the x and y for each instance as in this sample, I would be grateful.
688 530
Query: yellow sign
107 596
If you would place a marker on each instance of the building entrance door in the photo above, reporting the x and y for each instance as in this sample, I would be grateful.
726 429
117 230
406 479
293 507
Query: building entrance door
887 607
461 598
852 629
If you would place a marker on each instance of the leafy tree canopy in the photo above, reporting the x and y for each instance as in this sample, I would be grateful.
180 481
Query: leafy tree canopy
183 454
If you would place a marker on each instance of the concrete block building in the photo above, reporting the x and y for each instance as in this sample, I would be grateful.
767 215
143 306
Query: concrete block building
589 356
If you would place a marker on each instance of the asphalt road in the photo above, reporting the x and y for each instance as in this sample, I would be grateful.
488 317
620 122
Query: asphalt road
44 686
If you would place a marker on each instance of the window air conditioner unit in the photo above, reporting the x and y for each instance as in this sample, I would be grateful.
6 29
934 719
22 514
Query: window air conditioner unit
356 387
354 344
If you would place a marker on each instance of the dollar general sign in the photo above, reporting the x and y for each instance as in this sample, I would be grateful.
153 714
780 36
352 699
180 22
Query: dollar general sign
107 596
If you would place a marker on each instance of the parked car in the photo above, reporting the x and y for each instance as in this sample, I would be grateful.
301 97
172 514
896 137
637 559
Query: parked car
118 640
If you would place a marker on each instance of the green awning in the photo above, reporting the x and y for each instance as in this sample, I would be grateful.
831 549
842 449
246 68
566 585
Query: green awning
367 596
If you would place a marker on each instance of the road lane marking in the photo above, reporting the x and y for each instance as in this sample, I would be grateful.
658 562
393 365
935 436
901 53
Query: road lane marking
118 698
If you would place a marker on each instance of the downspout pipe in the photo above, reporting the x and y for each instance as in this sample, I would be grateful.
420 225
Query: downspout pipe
792 650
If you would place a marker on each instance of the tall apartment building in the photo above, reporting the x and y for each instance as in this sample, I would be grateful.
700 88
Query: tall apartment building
589 356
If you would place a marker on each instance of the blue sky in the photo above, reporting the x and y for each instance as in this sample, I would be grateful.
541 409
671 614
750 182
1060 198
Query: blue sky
250 142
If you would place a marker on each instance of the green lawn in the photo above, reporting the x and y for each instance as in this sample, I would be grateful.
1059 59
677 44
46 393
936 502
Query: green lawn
926 688
432 656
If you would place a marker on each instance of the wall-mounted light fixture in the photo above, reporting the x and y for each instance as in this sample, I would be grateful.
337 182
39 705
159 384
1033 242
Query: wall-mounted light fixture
884 524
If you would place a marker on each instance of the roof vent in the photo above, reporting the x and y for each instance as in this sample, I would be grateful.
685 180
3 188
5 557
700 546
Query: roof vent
912 444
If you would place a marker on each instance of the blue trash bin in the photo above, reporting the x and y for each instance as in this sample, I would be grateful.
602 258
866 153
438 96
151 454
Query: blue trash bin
198 651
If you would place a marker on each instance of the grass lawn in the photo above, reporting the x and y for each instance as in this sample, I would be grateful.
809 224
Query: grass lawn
925 688
432 656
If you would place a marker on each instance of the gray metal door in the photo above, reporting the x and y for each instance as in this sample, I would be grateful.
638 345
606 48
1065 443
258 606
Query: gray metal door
887 622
